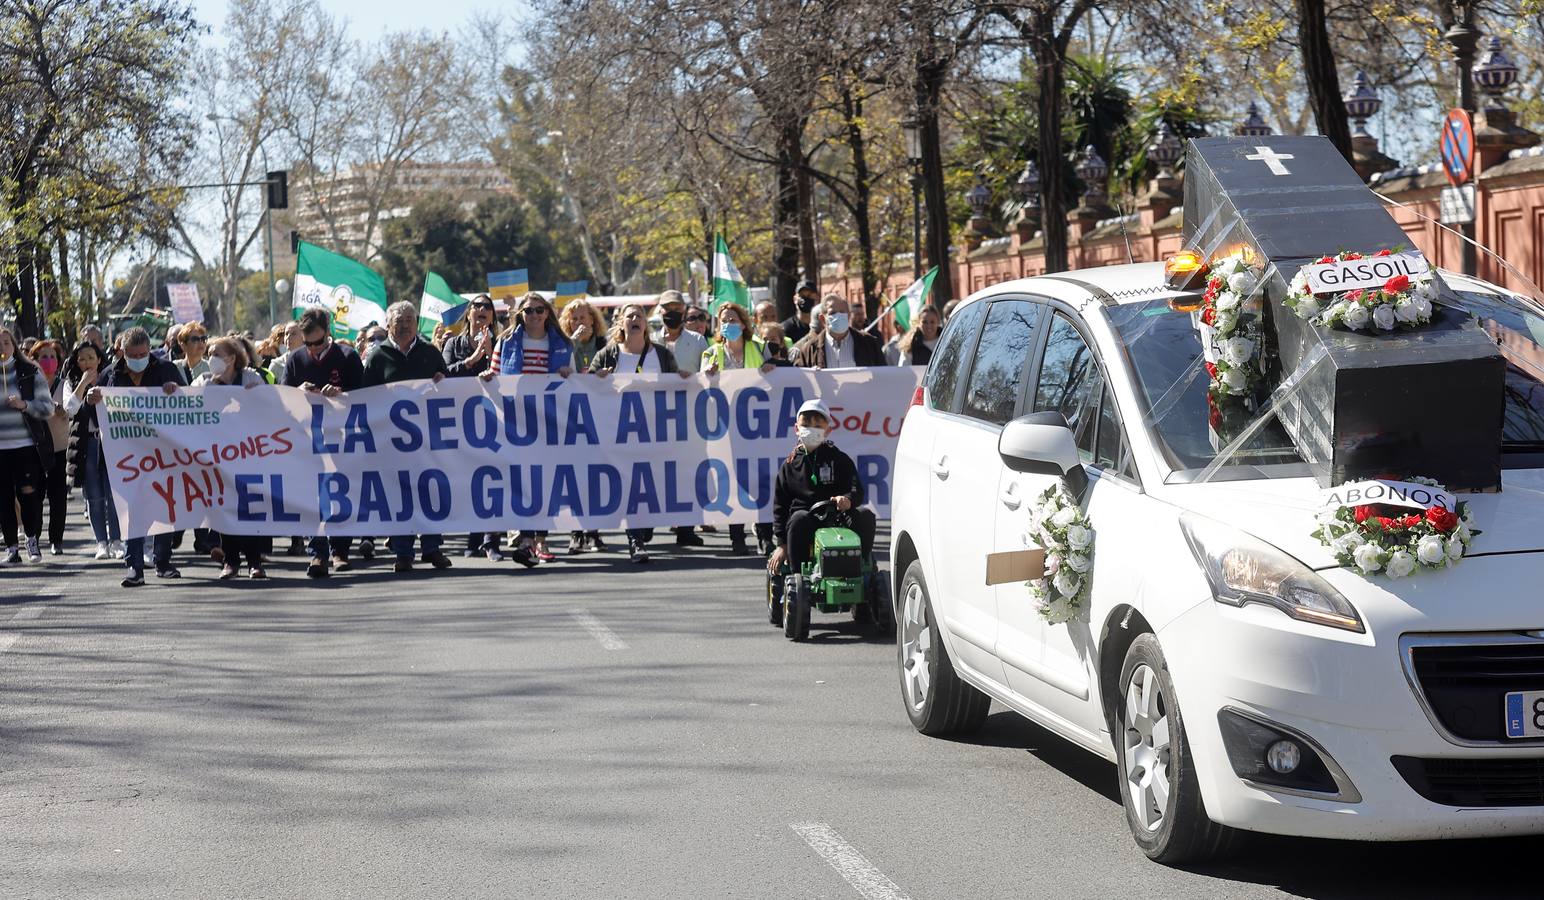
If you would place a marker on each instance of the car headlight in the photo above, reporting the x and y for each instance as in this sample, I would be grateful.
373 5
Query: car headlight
1243 569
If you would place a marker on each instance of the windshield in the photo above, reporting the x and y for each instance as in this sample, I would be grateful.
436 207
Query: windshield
1165 359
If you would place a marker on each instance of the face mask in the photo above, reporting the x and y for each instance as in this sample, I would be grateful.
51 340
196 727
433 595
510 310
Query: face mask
217 366
811 437
837 322
731 331
137 365
672 319
806 304
49 365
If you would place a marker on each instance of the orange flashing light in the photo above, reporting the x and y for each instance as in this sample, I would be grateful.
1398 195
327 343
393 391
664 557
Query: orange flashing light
1183 263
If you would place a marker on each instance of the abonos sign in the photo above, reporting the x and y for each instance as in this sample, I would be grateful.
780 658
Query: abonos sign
528 451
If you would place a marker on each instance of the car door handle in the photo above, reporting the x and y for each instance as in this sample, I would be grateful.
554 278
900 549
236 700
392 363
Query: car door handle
1010 496
941 468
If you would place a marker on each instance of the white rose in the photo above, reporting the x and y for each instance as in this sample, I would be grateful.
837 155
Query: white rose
1383 317
1067 583
1425 289
1405 311
1299 282
1053 563
1400 564
1079 537
1226 300
1077 562
1347 542
1431 550
1455 548
1226 321
1058 611
1228 266
1237 351
1355 317
1234 380
1308 307
1422 309
1064 517
1369 558
1240 282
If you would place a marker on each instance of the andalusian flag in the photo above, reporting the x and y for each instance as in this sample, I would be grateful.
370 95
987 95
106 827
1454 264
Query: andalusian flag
728 286
350 290
439 306
915 297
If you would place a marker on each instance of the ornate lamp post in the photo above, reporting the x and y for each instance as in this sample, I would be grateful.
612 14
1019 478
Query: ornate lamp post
979 197
911 129
1091 170
1028 188
1362 103
1494 73
1165 150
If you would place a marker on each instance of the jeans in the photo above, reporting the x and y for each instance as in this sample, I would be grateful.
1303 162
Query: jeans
99 494
402 544
318 547
161 553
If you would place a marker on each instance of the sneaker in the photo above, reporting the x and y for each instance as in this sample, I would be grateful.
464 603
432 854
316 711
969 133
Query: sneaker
402 565
55 549
316 569
135 578
367 548
102 551
256 573
227 572
118 549
341 563
471 553
11 556
437 560
635 552
296 547
576 542
524 556
543 554
764 546
685 538
598 545
494 555
34 552
167 572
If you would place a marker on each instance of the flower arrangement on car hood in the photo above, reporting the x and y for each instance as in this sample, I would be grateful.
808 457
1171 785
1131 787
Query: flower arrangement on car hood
1395 538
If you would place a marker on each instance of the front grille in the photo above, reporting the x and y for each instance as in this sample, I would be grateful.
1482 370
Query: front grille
1466 683
840 566
1475 782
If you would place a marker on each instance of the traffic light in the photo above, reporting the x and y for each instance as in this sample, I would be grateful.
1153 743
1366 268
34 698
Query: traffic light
278 189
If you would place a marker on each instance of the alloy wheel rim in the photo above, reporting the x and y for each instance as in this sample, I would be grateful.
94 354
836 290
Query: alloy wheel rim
916 648
1147 746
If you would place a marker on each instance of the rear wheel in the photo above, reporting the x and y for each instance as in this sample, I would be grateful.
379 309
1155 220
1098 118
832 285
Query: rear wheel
796 610
1157 773
775 599
881 607
938 701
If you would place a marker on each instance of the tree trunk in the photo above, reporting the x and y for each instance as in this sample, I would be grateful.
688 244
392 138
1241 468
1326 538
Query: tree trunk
929 86
785 217
1329 110
1051 64
27 294
862 199
809 253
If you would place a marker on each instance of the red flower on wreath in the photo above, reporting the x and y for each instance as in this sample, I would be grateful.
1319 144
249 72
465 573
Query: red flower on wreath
1209 316
1326 260
1397 284
1411 521
1444 520
1355 295
1351 256
1386 523
1362 513
1211 368
1384 252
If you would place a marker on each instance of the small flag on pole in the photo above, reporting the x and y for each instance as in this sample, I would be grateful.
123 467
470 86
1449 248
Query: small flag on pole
728 286
510 285
439 306
350 290
910 302
569 290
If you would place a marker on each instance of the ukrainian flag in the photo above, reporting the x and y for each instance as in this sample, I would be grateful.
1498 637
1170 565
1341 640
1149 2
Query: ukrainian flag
511 285
569 290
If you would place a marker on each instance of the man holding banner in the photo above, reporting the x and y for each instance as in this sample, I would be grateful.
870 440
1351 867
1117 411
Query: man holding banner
322 367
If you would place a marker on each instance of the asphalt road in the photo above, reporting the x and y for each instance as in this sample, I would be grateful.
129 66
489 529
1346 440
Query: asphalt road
586 729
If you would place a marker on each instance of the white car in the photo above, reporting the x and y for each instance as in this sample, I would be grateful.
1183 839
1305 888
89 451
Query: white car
1316 701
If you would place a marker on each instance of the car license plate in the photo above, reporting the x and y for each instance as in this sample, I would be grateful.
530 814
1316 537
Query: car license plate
1525 714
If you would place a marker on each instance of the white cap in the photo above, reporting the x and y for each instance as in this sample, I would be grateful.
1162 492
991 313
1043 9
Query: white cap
816 405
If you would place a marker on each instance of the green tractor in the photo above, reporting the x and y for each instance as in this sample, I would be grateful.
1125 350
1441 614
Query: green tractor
840 579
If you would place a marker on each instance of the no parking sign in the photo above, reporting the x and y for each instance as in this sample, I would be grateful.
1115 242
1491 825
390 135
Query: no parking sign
1457 144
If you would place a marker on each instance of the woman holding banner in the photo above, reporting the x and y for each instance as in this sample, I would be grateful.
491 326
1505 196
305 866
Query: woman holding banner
228 366
737 348
86 466
24 446
586 328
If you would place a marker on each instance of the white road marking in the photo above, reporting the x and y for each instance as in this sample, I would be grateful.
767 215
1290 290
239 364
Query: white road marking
853 866
8 638
597 629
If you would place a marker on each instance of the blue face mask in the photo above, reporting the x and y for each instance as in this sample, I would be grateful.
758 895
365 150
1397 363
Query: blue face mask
137 365
731 331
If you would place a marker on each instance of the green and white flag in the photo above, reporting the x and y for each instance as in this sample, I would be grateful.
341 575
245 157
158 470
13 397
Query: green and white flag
439 305
915 297
350 290
728 286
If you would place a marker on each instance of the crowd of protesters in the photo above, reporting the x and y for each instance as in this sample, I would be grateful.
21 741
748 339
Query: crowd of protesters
50 434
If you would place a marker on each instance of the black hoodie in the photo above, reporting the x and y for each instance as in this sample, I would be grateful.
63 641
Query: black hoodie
807 478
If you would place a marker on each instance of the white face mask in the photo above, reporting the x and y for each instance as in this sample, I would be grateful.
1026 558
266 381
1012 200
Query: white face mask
838 323
810 437
217 366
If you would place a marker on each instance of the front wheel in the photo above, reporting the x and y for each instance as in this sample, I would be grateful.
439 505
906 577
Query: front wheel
938 701
775 599
1157 772
796 610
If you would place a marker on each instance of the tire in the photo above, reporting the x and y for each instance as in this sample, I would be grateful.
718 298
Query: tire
937 700
775 600
1169 823
796 612
881 607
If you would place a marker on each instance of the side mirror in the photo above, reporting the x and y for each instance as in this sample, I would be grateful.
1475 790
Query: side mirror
1042 443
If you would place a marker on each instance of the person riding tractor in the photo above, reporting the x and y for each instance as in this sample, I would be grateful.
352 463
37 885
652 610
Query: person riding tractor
825 540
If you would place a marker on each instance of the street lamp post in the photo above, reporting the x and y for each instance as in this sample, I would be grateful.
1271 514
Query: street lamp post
912 130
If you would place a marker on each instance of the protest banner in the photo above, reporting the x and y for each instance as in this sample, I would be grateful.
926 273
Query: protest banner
186 306
525 451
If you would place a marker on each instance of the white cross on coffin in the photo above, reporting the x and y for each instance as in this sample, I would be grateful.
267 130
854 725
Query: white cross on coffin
1271 158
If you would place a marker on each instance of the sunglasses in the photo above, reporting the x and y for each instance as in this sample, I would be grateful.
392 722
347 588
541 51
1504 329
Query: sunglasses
697 318
195 339
539 310
320 343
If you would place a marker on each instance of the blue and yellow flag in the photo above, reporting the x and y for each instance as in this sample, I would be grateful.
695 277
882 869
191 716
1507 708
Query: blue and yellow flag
510 285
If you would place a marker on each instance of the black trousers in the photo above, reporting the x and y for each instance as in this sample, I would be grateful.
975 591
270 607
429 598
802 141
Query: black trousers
58 493
802 527
21 482
252 547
